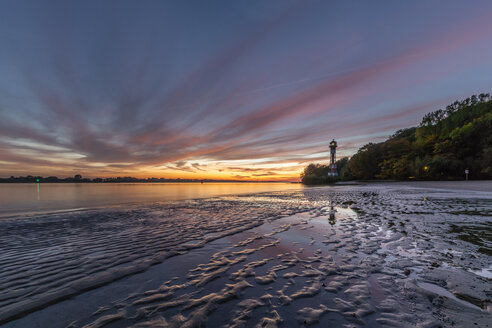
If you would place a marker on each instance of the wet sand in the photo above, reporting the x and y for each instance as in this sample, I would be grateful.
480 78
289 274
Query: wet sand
375 255
481 185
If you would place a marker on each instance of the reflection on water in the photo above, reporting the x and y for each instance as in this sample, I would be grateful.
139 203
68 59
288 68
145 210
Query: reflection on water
332 215
26 198
485 272
445 293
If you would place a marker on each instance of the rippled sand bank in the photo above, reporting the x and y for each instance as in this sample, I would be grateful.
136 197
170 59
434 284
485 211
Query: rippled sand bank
375 255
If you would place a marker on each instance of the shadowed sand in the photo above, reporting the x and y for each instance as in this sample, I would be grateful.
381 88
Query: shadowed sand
481 185
378 255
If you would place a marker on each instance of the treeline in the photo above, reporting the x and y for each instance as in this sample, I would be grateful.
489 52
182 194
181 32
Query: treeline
318 173
78 178
446 142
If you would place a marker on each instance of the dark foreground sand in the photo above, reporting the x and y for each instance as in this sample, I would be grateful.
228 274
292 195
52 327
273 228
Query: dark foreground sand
374 255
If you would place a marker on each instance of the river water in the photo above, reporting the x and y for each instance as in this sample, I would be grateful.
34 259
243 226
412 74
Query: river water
366 255
29 198
230 255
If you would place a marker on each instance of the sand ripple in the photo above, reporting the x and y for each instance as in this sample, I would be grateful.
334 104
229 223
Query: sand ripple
345 257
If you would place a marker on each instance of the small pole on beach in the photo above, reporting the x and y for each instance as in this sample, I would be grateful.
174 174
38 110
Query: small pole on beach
466 173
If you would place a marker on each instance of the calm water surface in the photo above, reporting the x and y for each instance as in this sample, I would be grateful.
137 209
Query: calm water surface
28 198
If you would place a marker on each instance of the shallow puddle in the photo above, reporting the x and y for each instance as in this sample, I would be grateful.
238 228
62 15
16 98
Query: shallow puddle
485 272
445 293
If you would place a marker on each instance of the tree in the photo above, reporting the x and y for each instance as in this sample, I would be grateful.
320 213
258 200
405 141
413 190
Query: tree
364 164
441 147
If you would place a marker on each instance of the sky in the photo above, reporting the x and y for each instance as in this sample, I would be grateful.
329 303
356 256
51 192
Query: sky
251 90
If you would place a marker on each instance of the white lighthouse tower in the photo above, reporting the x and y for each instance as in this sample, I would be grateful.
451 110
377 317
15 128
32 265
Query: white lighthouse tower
333 167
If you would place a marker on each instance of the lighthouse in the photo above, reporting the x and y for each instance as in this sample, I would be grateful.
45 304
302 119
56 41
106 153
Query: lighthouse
333 167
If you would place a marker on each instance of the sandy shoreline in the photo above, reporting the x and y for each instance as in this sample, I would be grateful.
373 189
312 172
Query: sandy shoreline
378 255
480 185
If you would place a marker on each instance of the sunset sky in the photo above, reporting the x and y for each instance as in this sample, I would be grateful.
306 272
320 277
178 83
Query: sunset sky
225 89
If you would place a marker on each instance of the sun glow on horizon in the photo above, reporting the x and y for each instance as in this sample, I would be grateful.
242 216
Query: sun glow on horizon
254 95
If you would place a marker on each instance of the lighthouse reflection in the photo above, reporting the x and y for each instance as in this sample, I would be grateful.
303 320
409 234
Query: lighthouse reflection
332 220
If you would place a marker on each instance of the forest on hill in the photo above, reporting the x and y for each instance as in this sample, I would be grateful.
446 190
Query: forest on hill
446 142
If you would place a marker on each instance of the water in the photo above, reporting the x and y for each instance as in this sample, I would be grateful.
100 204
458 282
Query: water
443 292
28 198
376 255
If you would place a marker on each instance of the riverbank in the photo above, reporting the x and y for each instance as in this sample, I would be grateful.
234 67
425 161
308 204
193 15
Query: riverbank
475 185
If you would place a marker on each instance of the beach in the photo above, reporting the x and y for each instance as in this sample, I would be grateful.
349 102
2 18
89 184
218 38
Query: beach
413 254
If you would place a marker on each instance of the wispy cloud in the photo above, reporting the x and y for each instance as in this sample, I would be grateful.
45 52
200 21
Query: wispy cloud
274 88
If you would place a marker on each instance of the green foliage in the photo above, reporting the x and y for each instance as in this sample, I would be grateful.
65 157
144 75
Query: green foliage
446 142
364 164
315 174
344 173
487 161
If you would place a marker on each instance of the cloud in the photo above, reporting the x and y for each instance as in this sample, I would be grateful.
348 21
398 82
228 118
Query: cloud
243 99
198 166
269 173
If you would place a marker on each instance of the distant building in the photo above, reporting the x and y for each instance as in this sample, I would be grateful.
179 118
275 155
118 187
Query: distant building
333 167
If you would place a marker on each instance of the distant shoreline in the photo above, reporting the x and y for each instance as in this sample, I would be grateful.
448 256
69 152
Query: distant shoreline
3 180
